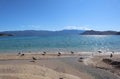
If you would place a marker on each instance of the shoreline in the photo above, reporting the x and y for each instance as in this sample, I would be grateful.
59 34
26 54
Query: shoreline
49 61
70 63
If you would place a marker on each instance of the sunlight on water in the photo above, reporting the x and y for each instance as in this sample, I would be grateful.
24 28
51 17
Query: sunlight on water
98 36
77 43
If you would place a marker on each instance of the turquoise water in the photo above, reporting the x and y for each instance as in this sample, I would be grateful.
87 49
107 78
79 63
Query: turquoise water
81 43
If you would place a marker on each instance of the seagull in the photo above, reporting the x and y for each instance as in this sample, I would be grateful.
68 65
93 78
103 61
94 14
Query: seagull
72 52
22 54
59 53
111 55
99 51
19 53
44 53
34 58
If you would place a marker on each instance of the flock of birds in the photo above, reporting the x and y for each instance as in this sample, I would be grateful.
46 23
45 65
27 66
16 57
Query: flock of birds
44 53
59 54
111 55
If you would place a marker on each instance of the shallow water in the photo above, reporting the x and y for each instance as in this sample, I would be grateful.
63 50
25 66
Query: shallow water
81 43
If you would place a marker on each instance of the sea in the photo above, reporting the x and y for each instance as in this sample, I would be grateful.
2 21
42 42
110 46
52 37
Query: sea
66 43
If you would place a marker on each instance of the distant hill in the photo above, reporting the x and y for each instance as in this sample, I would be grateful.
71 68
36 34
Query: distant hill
92 32
43 32
2 34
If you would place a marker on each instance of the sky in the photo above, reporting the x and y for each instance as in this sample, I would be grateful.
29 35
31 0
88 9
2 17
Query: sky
59 14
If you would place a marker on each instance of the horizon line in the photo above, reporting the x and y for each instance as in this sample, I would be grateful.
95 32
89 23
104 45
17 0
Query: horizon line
40 30
58 30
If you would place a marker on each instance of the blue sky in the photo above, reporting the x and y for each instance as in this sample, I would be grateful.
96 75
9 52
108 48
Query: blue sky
59 14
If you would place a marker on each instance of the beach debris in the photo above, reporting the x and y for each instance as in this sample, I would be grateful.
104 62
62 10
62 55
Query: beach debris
43 53
59 54
72 52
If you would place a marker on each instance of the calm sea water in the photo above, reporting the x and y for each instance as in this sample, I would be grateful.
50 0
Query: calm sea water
81 43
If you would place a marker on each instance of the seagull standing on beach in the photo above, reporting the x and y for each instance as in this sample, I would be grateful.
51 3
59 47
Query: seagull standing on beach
99 51
34 58
22 54
59 53
72 52
113 52
44 53
111 55
19 53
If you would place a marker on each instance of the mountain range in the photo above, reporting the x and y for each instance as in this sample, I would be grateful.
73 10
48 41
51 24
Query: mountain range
55 33
92 32
42 32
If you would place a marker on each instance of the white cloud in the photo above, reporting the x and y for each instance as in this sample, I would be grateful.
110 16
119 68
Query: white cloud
53 28
30 27
77 28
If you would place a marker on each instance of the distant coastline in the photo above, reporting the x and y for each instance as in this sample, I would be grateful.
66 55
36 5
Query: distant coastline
56 33
3 34
93 32
42 32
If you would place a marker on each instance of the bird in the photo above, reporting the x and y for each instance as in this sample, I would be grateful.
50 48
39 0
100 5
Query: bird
19 53
34 58
22 54
99 51
113 52
72 52
44 53
111 55
59 53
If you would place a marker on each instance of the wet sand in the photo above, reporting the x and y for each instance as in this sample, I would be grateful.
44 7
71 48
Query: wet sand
100 62
51 66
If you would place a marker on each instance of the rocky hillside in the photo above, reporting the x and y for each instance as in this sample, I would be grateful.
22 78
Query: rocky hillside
92 32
